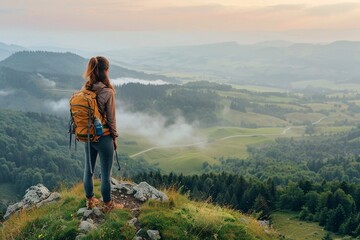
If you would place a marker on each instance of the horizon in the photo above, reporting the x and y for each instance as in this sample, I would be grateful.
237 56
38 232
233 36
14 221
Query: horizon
156 23
64 48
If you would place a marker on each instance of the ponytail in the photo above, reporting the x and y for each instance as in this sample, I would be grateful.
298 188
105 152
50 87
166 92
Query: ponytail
95 72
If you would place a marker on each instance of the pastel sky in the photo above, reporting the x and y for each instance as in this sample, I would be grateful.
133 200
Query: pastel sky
166 20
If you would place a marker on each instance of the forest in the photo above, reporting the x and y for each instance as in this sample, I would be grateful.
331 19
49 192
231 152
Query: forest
333 204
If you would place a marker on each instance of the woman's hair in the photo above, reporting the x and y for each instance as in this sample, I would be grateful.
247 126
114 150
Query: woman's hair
95 72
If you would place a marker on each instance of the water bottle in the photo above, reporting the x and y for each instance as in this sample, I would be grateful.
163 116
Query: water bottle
98 127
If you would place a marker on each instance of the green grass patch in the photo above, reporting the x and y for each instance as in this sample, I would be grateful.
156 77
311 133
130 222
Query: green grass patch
184 219
288 224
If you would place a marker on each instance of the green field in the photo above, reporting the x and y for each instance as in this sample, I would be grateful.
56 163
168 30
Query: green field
288 225
189 157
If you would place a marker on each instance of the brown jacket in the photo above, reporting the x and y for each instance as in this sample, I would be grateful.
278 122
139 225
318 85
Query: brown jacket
106 104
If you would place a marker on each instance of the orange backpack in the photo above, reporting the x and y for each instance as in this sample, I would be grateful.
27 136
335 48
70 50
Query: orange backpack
83 111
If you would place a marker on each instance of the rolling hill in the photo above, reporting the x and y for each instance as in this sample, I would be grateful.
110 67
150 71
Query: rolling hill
66 63
270 63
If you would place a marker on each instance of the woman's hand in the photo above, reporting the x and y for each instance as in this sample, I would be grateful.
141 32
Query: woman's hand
115 143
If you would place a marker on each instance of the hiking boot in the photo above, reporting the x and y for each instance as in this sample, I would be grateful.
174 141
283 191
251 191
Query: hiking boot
110 205
92 202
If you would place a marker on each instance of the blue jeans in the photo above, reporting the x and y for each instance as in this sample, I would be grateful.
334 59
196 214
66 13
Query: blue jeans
105 148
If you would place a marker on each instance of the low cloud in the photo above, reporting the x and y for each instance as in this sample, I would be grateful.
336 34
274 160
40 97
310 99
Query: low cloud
58 107
121 81
46 82
6 92
333 9
155 130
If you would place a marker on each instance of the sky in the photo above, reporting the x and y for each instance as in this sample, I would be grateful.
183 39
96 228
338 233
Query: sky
116 24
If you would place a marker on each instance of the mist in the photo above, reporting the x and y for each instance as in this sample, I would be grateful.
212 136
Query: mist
58 107
124 80
6 92
46 82
155 130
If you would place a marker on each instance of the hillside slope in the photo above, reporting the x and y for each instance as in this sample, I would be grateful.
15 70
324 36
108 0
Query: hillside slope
65 63
177 218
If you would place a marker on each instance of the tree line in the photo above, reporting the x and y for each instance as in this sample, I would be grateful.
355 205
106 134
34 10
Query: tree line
333 204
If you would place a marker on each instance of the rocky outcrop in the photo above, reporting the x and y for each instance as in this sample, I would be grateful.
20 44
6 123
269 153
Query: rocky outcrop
34 196
131 195
144 191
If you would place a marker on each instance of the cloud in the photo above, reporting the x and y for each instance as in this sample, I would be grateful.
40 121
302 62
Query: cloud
124 80
197 15
4 92
286 7
46 82
155 129
333 9
59 107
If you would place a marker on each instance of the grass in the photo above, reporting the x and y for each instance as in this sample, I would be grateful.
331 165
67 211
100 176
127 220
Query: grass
131 144
58 220
235 118
301 118
189 160
288 224
178 218
181 218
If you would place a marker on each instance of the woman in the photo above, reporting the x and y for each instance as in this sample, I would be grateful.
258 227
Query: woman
97 79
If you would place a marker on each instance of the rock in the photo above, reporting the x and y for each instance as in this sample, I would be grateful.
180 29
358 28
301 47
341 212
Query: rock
53 197
87 213
86 226
133 221
125 187
114 181
36 195
97 212
13 208
144 191
264 223
81 211
153 234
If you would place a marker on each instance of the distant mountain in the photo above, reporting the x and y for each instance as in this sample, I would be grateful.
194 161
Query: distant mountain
274 63
7 49
66 63
275 43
